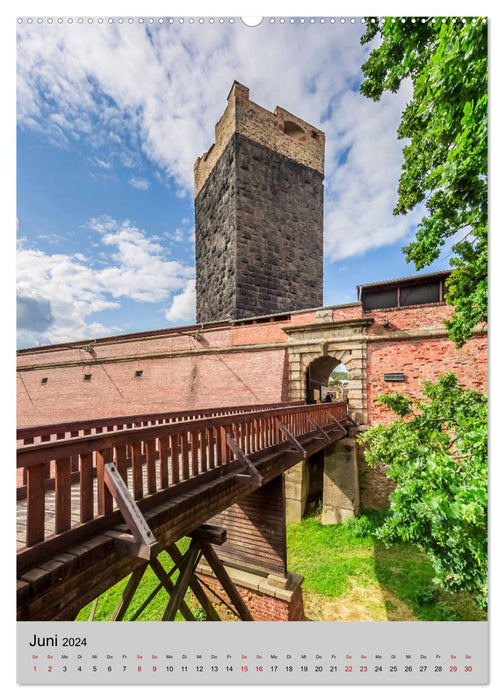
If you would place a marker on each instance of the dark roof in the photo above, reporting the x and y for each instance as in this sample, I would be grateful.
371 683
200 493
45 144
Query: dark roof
423 278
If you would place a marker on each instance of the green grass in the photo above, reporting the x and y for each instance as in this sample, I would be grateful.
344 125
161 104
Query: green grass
349 575
107 601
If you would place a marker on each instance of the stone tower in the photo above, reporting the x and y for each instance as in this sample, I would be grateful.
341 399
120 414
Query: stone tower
259 214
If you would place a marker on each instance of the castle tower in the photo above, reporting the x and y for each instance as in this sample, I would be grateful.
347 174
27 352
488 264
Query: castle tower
259 214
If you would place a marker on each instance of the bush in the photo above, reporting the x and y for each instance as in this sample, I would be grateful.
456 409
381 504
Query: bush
436 453
362 526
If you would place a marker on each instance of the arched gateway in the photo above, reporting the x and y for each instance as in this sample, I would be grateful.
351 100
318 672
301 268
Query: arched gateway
314 351
318 348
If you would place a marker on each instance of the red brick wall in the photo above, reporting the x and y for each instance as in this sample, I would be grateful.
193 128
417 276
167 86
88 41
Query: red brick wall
167 384
191 377
410 318
262 607
422 359
418 359
197 375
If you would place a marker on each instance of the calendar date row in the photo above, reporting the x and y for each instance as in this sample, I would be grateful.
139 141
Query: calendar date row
318 668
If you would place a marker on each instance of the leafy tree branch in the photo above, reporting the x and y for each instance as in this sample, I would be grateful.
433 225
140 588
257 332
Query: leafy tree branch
445 159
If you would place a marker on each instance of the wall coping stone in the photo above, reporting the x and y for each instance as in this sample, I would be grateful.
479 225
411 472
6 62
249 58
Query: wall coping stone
257 582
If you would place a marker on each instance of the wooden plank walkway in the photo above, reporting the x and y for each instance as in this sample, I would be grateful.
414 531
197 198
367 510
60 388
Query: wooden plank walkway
65 500
50 501
181 476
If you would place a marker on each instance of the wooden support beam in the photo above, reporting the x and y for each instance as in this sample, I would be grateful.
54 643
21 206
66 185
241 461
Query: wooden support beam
142 536
290 437
341 427
128 593
219 598
195 586
218 568
105 502
62 487
319 428
86 487
251 475
35 504
93 609
168 585
180 588
210 533
146 602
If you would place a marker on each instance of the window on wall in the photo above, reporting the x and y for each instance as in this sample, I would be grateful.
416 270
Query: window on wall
138 373
379 298
420 294
44 380
402 294
87 377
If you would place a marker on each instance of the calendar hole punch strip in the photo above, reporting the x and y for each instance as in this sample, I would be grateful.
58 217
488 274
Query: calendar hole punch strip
202 341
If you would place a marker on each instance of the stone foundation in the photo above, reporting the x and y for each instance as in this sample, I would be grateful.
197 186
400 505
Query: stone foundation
374 485
269 598
341 482
297 485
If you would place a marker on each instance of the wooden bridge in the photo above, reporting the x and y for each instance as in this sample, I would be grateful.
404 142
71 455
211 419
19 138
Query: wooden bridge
98 500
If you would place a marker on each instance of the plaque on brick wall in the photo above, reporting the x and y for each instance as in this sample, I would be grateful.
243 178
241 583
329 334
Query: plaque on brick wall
394 377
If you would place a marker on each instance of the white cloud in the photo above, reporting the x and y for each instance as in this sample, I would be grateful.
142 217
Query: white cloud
183 307
103 163
70 289
139 183
164 88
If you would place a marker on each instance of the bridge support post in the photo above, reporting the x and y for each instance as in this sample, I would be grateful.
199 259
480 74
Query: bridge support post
255 554
297 486
341 482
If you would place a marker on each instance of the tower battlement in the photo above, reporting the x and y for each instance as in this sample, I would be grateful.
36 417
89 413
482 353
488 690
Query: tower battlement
279 130
259 214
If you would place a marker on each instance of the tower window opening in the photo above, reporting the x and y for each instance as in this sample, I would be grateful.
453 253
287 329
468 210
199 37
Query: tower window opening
87 377
44 380
138 373
293 130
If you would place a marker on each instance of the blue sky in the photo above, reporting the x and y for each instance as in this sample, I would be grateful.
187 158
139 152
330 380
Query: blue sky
110 120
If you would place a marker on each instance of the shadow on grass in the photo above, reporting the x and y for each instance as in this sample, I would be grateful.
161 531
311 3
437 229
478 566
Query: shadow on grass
405 577
349 575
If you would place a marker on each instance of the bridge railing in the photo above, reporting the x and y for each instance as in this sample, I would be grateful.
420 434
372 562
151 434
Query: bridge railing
61 431
71 506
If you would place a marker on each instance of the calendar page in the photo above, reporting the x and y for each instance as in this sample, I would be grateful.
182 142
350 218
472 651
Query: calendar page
251 350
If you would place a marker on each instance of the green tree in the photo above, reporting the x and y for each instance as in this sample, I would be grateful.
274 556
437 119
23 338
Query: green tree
445 160
436 453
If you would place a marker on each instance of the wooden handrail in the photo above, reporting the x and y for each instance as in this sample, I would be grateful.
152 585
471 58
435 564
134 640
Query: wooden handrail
50 431
150 460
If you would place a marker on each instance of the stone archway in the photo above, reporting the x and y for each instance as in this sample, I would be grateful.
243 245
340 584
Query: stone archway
340 342
328 343
318 375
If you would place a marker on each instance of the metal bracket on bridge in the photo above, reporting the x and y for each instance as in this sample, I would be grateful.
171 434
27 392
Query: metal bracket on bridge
141 543
321 430
290 437
252 475
341 427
